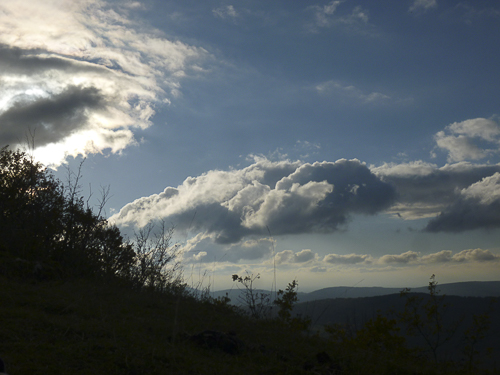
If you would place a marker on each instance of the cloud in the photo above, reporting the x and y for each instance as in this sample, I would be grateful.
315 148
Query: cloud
478 255
458 196
323 13
327 16
425 190
403 258
285 197
346 259
66 113
83 76
486 191
202 248
466 140
477 207
406 259
288 256
440 257
349 93
459 147
470 255
225 12
422 5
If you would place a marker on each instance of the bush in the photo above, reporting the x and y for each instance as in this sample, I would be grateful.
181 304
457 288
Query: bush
48 231
426 317
258 303
286 300
32 207
156 265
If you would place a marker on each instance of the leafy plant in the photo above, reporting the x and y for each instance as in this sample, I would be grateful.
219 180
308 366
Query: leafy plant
258 303
156 264
48 230
424 316
285 302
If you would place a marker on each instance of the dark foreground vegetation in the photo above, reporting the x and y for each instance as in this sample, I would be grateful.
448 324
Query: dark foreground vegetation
78 298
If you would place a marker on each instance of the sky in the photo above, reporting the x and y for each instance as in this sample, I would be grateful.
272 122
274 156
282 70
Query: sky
338 143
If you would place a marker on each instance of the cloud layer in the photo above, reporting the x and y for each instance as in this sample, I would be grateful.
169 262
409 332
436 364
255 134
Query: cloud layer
283 197
425 190
82 75
477 207
231 208
459 196
201 249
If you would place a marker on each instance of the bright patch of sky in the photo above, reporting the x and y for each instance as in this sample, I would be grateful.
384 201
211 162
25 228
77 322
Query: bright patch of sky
342 142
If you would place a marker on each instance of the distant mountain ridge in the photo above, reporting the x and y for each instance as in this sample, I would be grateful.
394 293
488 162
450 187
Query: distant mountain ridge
461 289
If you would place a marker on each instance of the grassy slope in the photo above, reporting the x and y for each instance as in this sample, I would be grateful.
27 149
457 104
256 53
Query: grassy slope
85 328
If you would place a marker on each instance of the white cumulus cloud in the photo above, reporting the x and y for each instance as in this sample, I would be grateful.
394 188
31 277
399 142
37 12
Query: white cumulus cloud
467 140
284 197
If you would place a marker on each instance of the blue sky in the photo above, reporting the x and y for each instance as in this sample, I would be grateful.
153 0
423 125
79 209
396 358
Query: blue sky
346 142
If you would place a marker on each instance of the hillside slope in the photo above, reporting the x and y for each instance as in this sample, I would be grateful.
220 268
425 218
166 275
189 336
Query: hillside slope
85 327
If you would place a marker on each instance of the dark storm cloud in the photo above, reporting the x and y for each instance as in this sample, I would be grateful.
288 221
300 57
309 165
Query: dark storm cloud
357 189
283 197
424 190
466 215
459 196
477 207
52 118
441 257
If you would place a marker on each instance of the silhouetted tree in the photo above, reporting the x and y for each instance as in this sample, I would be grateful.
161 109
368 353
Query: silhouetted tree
425 316
156 265
47 226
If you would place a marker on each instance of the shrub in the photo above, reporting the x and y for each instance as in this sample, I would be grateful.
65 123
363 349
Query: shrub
285 302
156 266
258 303
425 316
47 227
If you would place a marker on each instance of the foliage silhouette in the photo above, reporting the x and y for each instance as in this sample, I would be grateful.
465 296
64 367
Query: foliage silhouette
425 316
389 338
49 231
286 300
157 266
258 303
